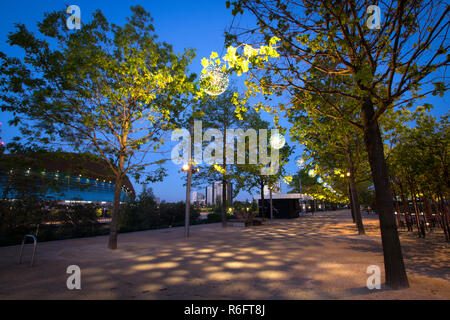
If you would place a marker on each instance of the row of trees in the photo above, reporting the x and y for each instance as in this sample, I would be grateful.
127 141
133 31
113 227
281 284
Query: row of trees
330 64
419 163
117 89
114 91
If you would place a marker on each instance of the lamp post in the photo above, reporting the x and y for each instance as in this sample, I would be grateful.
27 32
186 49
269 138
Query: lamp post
214 81
187 167
300 164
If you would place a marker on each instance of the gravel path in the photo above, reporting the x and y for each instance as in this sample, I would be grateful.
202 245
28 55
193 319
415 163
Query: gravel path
312 257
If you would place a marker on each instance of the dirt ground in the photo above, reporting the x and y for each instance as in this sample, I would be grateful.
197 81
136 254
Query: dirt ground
311 257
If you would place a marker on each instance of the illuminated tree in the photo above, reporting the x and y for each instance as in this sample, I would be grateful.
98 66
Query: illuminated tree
383 69
112 89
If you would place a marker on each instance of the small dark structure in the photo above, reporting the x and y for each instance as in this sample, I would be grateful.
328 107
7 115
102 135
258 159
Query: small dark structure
282 208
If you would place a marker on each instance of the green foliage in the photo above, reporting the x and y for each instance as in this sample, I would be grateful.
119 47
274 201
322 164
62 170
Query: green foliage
29 215
173 214
299 48
112 89
214 217
143 213
140 214
23 213
419 159
76 215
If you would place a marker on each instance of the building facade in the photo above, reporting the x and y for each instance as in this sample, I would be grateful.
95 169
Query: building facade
214 193
63 177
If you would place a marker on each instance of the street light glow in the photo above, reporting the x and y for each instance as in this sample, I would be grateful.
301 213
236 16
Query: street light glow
214 80
299 161
277 141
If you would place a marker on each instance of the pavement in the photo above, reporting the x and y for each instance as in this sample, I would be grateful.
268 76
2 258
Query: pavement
311 257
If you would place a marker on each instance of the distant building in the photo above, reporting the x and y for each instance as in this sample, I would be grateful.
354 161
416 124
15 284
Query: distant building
197 198
63 177
276 188
209 195
214 193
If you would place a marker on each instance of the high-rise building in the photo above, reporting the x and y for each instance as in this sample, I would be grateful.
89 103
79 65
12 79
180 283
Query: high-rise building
214 193
197 198
209 195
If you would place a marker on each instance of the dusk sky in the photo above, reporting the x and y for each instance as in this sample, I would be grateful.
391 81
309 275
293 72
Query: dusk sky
198 24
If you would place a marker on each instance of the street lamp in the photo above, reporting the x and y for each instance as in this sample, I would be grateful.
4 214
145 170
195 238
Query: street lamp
277 141
214 81
300 162
187 167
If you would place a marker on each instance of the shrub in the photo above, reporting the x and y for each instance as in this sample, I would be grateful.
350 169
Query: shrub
173 214
140 214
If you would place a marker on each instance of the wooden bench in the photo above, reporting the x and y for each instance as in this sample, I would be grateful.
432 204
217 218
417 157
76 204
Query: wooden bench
246 218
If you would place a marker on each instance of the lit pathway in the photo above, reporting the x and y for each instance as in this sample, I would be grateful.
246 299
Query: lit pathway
318 257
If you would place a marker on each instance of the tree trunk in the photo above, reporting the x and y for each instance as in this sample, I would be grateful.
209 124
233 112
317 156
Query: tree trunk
271 207
112 242
224 181
397 208
394 267
424 210
405 204
351 203
354 193
261 208
416 210
445 218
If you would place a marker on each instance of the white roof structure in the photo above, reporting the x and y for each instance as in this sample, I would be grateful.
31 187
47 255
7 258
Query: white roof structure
276 195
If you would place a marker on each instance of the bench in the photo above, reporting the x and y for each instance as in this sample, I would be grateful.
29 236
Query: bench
246 219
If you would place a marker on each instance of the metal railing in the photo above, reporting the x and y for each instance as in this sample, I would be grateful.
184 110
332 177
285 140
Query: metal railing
34 247
32 236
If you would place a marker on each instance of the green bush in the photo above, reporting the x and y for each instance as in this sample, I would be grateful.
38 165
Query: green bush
140 214
76 215
173 214
21 217
214 217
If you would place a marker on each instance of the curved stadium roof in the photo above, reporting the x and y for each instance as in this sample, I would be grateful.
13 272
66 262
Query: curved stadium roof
74 164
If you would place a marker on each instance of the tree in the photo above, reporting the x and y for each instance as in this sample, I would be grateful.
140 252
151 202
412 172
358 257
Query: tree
383 69
333 146
250 176
112 89
419 162
218 113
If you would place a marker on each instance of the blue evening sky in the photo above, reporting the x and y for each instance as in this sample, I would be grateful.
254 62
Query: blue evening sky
198 24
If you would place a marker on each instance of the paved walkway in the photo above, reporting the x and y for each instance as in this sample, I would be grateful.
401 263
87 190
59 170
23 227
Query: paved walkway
312 257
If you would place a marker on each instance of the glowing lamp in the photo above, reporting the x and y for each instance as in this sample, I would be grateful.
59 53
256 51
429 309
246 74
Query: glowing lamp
277 141
299 161
214 81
